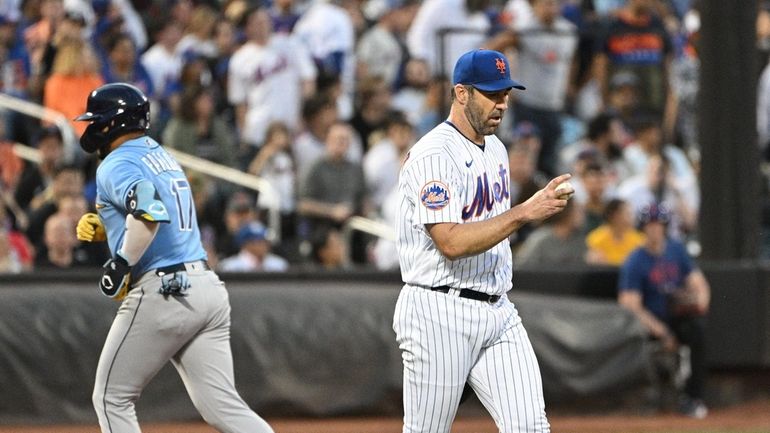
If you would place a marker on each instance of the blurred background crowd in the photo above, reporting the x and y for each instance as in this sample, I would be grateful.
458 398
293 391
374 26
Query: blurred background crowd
323 98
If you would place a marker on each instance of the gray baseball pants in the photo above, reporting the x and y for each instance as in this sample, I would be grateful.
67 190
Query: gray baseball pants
193 332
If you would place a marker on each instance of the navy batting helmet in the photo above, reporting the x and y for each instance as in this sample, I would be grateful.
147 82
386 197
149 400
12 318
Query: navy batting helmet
113 110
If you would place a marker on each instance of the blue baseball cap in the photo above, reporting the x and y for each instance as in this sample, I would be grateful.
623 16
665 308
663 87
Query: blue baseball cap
252 231
486 70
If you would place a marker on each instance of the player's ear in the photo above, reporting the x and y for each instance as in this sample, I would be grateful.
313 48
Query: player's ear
461 93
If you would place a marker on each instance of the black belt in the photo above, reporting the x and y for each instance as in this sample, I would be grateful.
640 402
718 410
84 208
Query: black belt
470 294
181 267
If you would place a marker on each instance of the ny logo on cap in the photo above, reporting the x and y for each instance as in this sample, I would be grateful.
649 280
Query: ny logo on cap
500 64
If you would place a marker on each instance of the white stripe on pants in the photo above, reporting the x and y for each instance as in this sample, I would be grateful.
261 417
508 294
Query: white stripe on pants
445 341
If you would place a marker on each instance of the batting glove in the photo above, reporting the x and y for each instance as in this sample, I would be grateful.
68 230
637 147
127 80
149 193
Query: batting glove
116 279
91 229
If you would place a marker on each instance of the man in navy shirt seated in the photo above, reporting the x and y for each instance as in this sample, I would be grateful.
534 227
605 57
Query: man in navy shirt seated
661 284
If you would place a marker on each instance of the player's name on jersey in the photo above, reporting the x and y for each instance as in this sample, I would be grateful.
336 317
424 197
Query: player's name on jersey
160 161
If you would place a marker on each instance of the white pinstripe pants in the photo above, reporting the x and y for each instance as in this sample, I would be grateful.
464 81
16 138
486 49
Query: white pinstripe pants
445 341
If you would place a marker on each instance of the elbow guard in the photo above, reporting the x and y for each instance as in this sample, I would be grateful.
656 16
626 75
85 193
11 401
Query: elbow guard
143 202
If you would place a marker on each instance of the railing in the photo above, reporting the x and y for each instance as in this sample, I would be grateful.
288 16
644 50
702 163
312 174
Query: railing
25 152
271 197
372 227
268 195
208 168
45 114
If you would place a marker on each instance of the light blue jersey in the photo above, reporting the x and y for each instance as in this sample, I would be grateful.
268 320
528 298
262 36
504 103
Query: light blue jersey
177 240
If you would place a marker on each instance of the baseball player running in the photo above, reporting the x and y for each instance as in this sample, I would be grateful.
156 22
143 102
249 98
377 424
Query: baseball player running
173 306
453 320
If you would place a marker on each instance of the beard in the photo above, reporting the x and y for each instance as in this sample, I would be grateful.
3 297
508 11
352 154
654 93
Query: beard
478 120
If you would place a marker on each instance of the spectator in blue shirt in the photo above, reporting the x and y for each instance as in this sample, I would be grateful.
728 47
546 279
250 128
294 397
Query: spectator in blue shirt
663 287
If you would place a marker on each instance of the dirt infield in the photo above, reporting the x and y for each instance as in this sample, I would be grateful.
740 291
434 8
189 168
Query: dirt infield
751 417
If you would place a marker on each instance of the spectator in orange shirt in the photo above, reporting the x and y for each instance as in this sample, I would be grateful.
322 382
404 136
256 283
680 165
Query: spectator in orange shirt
76 73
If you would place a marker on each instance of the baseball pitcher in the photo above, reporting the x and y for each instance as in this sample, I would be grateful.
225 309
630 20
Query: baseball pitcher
453 320
173 306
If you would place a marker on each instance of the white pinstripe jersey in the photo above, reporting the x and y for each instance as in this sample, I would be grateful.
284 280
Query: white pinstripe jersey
449 179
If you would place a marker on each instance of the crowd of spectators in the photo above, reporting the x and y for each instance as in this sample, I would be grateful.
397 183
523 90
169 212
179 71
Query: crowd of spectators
323 98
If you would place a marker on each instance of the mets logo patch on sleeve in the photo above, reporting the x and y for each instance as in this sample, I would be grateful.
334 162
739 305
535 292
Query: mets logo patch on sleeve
434 195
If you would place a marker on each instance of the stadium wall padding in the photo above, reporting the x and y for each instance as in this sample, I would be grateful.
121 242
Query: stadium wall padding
301 347
322 344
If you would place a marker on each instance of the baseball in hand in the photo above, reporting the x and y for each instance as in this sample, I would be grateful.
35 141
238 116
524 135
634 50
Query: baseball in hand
560 191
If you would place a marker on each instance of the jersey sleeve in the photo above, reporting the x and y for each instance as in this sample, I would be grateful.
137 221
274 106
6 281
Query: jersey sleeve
434 187
122 177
